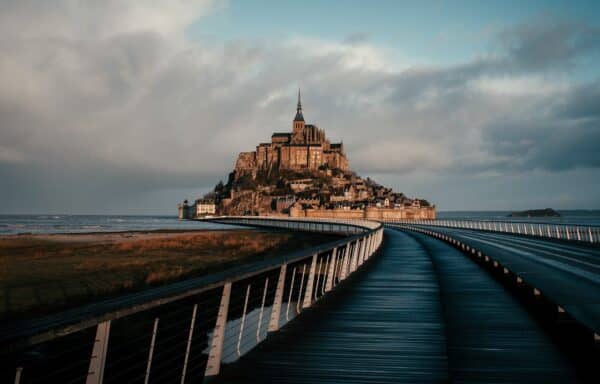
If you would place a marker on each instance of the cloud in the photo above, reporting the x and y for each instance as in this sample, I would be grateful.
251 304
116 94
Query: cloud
11 155
544 43
88 19
582 103
112 100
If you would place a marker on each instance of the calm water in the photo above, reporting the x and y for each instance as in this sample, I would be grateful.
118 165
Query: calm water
12 224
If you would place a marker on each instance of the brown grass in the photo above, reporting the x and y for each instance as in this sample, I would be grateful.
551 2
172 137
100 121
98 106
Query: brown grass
43 273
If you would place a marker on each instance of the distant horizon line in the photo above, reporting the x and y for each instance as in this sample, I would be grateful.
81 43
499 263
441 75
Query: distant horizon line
175 214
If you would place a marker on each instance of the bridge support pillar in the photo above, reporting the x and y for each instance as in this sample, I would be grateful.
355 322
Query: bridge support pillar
98 359
213 366
276 311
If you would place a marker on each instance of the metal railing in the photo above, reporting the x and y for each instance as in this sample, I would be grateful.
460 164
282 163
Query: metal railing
584 233
185 331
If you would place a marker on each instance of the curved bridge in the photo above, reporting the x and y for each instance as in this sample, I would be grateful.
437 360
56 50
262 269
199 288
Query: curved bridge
438 303
185 331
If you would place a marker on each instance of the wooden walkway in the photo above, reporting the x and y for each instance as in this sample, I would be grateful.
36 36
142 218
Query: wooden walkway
421 313
491 337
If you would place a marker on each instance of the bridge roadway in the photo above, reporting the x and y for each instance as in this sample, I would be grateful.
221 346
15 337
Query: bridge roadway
421 312
568 273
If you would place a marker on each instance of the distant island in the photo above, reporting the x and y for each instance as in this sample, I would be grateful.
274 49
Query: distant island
547 212
303 174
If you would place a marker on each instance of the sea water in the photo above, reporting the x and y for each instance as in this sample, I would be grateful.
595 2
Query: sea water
15 224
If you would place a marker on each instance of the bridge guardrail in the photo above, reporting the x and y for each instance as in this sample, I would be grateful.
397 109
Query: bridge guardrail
548 308
185 331
585 233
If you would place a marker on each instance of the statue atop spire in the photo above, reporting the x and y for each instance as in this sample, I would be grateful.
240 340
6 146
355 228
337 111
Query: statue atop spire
299 116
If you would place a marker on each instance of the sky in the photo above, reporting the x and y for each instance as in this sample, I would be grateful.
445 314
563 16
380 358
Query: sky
128 107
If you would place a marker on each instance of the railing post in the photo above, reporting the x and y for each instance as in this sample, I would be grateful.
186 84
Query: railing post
354 264
262 308
243 322
98 359
151 351
365 247
342 264
350 259
18 373
343 270
276 311
319 281
324 278
360 256
289 302
310 283
299 301
329 283
189 344
213 366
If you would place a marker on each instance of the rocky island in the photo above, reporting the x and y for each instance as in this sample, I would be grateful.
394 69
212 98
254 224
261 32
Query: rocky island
303 174
547 212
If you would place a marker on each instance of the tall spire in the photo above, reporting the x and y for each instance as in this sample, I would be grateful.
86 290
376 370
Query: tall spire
299 116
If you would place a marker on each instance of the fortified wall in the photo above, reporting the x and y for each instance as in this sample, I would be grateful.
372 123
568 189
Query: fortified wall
370 213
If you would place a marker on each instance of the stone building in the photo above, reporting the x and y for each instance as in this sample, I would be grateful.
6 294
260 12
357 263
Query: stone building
205 207
185 211
306 147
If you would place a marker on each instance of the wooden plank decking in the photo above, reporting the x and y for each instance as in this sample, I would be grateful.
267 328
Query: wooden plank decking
421 313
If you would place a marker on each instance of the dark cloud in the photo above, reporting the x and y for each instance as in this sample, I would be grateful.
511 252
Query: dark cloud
583 102
545 43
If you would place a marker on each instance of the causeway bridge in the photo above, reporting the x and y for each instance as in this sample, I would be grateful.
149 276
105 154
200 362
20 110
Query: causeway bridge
407 301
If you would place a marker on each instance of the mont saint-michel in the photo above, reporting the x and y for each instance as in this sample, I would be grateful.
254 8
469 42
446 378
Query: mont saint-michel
303 174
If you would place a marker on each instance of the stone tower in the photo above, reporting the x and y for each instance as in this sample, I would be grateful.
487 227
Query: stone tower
299 119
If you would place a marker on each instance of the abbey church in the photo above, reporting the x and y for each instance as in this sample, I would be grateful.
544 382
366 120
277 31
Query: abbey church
306 147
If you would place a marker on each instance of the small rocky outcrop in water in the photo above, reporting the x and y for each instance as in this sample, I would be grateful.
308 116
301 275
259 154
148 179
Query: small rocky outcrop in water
547 212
